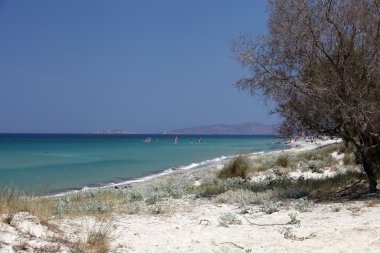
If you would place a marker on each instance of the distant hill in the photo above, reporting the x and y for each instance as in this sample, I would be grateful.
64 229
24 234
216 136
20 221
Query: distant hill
111 132
253 128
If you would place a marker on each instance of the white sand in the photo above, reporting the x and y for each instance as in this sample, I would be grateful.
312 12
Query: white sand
195 228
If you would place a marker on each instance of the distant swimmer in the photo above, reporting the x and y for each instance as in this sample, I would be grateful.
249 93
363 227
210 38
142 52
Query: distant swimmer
148 139
176 140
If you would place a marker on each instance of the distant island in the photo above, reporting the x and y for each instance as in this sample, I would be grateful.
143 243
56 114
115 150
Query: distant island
249 128
111 132
252 128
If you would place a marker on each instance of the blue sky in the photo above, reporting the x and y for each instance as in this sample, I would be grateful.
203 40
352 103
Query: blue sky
145 66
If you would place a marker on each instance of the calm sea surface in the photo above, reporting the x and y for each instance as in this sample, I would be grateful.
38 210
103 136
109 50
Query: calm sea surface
59 162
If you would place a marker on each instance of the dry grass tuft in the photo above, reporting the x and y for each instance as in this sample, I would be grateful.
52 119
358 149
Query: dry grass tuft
13 200
237 167
349 159
373 202
99 237
283 161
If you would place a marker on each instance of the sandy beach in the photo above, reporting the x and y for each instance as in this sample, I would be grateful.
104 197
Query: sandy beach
209 224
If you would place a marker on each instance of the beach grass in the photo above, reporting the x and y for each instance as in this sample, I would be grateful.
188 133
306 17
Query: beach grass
236 167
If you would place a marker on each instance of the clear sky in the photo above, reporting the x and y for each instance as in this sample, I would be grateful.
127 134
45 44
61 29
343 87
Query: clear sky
145 66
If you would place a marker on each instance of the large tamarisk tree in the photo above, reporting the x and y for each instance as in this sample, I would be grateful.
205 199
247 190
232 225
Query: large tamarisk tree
320 63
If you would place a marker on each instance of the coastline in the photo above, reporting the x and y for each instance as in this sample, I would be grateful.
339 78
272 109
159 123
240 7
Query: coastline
211 164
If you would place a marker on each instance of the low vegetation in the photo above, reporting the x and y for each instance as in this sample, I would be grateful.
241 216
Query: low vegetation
98 237
237 167
228 219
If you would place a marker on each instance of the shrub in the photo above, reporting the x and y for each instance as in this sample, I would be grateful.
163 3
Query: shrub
134 195
240 196
228 219
153 195
177 189
133 208
316 165
303 205
237 167
293 219
62 206
156 209
288 233
95 206
294 191
271 207
210 188
283 161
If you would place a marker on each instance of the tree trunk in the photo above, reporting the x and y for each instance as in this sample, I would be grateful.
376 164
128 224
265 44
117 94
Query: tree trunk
370 168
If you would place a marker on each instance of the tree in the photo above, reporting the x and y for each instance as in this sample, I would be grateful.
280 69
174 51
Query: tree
320 63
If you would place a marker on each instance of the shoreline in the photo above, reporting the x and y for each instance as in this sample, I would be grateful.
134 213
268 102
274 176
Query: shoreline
294 147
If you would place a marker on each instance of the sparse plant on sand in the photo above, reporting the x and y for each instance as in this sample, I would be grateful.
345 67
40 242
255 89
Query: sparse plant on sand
288 233
227 219
304 205
156 209
133 208
98 237
293 219
270 207
336 208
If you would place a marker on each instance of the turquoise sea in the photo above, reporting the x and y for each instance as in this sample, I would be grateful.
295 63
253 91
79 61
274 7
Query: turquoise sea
51 163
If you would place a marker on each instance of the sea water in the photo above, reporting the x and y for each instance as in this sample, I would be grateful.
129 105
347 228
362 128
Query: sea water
52 163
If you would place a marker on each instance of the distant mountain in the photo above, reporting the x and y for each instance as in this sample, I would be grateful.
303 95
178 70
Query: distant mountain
111 132
253 128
